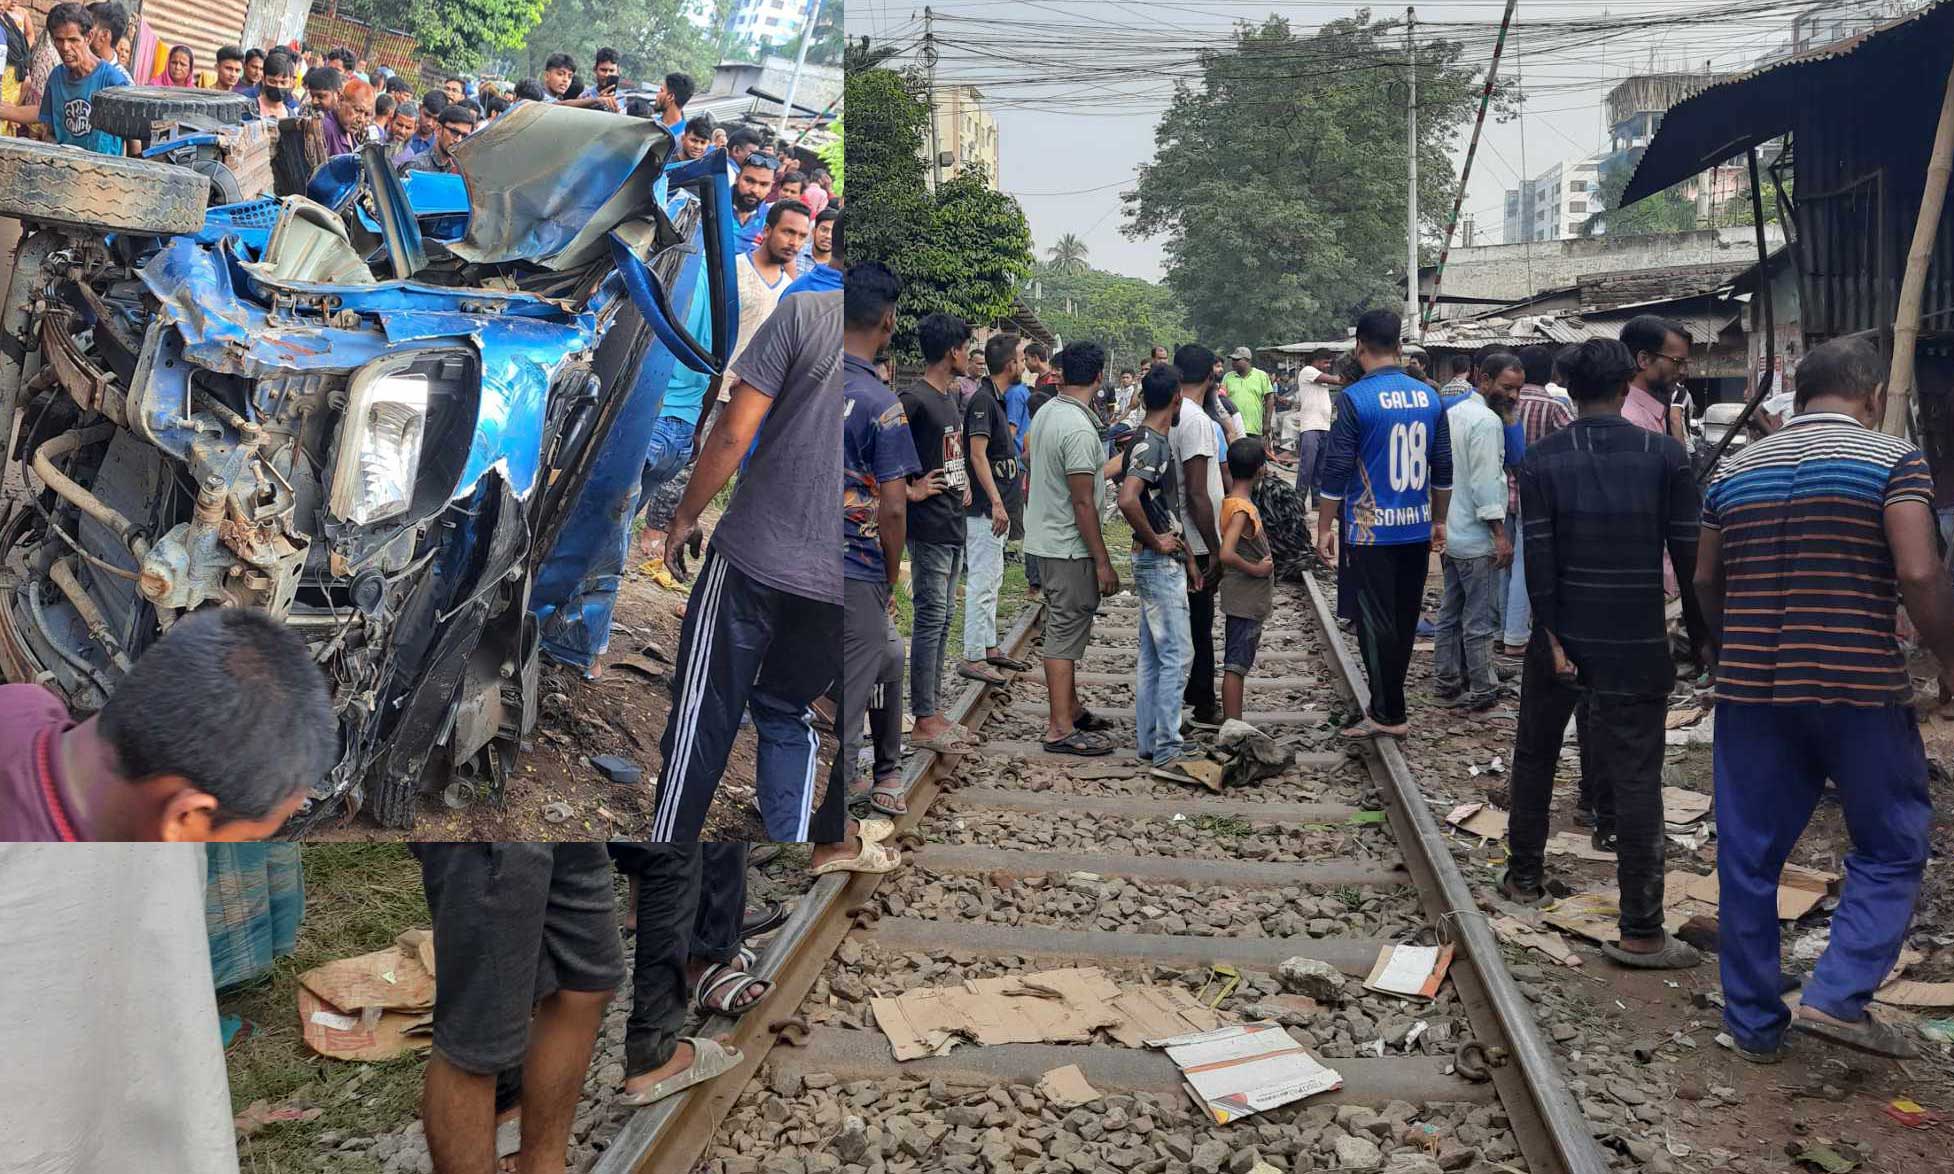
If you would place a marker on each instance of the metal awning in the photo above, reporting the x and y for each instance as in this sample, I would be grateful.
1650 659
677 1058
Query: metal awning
1730 117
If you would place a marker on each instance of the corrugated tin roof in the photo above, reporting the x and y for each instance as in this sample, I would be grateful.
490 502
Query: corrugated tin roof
1728 118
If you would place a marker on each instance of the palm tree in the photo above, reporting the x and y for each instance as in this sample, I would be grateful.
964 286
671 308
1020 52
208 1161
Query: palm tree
1069 254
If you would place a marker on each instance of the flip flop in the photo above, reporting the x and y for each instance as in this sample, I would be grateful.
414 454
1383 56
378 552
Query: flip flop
1010 664
721 986
1081 744
1675 954
971 674
1869 1035
875 831
1090 722
710 1058
871 857
1366 730
771 918
889 797
954 740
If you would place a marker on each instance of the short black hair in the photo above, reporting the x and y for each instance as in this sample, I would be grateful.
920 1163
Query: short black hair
1159 386
1598 369
383 106
1246 457
1082 364
782 208
1499 363
793 177
868 291
828 213
529 90
230 700
344 56
1538 360
434 102
399 85
605 56
1037 350
1322 353
1461 364
1380 330
1650 333
279 63
324 77
680 87
745 136
559 61
699 126
999 350
939 334
496 106
230 53
254 54
1844 367
108 15
457 79
1195 362
463 113
74 14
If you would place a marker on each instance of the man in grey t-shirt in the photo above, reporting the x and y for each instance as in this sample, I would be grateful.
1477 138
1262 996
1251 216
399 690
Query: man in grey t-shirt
763 626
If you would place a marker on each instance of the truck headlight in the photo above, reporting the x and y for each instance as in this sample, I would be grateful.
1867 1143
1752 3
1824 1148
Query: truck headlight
379 445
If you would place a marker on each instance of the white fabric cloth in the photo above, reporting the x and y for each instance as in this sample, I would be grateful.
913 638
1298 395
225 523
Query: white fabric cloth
1197 435
108 1019
1312 401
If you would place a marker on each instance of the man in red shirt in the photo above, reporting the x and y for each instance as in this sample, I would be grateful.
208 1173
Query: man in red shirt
217 733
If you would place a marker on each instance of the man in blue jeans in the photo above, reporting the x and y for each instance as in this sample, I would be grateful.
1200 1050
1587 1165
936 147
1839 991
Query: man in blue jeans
1479 545
1808 537
1150 500
938 496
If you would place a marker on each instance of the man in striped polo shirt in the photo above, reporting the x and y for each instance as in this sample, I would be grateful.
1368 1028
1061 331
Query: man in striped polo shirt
1808 536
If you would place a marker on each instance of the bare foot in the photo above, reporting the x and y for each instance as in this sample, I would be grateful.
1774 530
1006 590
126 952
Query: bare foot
929 727
650 542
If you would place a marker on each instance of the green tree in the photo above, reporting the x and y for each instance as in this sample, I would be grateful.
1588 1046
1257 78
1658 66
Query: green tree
1126 315
1279 182
1668 210
652 37
963 249
1068 255
462 34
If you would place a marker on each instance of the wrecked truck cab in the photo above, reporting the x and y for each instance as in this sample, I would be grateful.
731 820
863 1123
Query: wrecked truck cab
370 417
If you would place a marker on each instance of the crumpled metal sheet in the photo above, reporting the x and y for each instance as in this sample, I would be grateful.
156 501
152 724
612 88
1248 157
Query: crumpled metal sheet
520 354
547 184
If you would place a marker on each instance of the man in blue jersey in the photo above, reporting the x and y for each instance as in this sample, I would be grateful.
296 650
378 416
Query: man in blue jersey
750 204
1388 475
821 270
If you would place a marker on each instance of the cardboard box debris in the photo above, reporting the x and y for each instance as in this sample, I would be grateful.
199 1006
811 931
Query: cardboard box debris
1908 993
374 1006
1683 807
1413 972
1516 932
371 1035
1799 890
1052 1006
1479 819
1067 1087
1234 1072
1596 915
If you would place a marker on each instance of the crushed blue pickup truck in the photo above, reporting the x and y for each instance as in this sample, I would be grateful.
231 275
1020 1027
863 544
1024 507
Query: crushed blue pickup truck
399 416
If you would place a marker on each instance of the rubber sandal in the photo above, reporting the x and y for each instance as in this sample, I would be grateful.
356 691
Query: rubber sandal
875 831
710 1059
1675 954
771 918
721 986
1090 722
955 740
871 857
1869 1035
1081 744
1008 663
971 674
889 797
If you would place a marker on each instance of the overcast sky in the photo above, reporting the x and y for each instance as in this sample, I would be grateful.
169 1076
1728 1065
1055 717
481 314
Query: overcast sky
1050 146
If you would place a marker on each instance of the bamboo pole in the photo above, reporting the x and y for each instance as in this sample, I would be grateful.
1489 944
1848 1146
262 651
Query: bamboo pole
1913 286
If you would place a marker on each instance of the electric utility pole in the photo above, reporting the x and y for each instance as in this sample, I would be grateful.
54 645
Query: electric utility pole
800 62
1411 154
929 62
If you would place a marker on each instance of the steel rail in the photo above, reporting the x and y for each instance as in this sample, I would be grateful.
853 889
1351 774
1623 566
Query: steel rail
1554 1137
674 1134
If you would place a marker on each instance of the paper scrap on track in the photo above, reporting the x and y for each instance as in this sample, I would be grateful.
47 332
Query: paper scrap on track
1413 972
1241 1070
1067 1087
1051 1006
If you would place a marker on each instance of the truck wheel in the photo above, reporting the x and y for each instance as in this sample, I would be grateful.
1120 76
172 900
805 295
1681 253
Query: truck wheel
132 112
50 184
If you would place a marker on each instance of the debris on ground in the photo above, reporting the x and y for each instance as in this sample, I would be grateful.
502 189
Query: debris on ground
1245 1069
1479 819
619 770
1051 1006
259 1114
1414 972
1308 976
1249 755
1799 890
1067 1087
1515 932
372 1007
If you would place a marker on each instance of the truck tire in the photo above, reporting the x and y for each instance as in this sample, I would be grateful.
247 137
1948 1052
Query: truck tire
132 112
50 184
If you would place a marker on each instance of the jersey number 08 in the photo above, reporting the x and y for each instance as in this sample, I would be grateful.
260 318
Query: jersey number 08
1408 456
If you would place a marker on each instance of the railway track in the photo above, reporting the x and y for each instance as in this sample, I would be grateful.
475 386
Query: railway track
1024 861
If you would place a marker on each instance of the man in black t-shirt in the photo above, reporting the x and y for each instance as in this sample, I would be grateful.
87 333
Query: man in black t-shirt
993 457
937 498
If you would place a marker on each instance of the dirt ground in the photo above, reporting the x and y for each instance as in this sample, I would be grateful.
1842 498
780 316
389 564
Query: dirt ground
622 713
1697 1106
